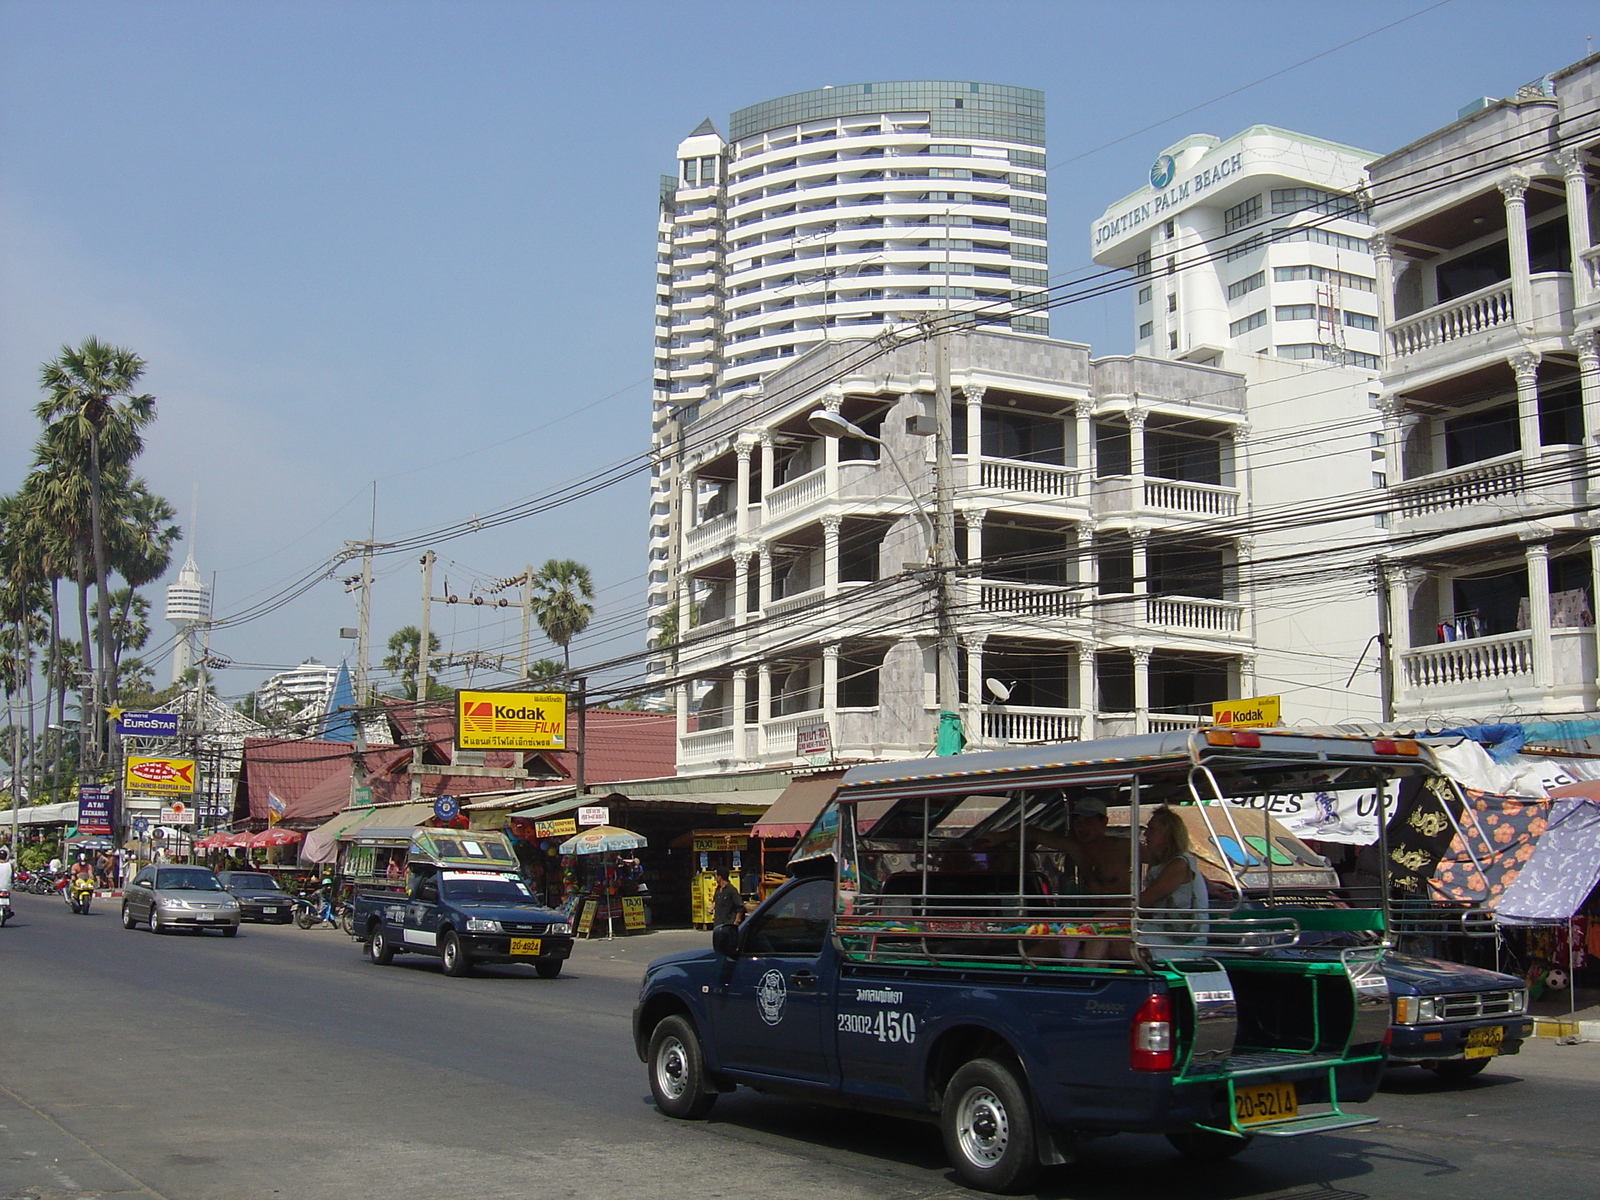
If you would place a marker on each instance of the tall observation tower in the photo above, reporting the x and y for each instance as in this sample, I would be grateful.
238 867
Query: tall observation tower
188 609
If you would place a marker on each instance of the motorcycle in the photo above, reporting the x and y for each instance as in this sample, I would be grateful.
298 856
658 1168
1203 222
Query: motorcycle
78 893
313 910
5 908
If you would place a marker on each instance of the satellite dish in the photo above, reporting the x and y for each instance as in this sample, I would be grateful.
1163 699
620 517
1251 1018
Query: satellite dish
997 689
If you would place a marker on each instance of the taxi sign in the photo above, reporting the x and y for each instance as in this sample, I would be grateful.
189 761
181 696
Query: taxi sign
162 776
1251 712
511 720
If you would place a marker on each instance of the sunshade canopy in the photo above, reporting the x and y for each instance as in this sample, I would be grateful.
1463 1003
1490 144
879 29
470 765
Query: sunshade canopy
1563 869
798 805
603 838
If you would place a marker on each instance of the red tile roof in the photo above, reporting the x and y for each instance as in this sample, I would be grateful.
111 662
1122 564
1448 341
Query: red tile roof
285 768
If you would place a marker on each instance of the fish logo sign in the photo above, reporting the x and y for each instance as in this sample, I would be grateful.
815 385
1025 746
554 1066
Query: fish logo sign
163 776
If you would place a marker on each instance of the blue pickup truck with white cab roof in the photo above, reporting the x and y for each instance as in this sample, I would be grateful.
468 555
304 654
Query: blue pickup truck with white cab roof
465 903
933 955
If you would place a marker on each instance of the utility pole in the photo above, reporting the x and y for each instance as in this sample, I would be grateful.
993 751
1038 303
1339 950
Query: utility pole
583 734
420 711
944 545
1385 640
527 618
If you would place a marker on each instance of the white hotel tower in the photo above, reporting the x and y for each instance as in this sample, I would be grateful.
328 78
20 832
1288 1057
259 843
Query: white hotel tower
188 610
826 214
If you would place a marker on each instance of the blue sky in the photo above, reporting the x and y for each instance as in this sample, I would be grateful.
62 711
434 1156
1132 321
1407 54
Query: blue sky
415 242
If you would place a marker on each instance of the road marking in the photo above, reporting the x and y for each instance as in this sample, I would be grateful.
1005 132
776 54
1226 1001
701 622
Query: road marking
65 1132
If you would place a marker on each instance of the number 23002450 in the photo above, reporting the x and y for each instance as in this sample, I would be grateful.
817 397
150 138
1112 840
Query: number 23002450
885 1026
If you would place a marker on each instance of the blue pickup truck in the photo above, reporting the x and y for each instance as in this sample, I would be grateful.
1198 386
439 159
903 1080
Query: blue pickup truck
1454 1020
464 903
933 956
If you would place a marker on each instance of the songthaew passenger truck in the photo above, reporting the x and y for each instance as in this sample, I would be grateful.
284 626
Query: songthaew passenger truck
968 939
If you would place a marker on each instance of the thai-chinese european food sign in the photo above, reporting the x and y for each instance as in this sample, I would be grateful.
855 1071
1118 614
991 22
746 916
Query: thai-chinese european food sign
511 720
160 776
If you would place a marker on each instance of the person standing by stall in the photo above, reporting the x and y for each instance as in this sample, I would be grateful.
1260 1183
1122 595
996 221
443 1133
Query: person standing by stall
727 906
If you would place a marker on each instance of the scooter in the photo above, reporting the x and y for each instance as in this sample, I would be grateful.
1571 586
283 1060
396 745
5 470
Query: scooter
78 893
5 908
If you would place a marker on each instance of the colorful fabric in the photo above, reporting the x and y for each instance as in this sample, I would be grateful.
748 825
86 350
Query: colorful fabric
1501 833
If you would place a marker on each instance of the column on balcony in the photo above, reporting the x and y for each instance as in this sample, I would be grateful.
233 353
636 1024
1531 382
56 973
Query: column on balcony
1083 439
763 703
741 498
975 518
977 694
1240 437
1088 565
1575 174
1587 344
830 688
689 502
974 395
741 587
1086 688
1537 554
1244 549
680 697
1136 419
764 585
1525 365
736 715
1397 595
1141 561
1247 675
769 463
1594 576
1514 188
1141 689
830 548
833 401
1383 259
1393 407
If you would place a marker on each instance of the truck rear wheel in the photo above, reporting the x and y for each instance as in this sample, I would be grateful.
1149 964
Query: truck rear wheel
1206 1145
378 948
454 956
678 1071
987 1124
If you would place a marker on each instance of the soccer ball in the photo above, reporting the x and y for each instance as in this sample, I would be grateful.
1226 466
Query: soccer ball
1556 980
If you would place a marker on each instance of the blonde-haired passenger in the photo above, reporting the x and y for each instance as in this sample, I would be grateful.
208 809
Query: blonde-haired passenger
1172 880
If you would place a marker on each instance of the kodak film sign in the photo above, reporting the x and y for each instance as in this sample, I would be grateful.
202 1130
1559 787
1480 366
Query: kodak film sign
1261 712
511 720
160 776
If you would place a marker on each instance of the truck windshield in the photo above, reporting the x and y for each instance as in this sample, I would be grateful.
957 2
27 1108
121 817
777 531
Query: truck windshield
485 889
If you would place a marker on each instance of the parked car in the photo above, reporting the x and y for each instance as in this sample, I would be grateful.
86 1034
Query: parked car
261 898
171 897
1453 1019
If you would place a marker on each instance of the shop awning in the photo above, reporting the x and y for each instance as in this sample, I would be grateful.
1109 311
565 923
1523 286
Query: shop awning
797 806
389 826
554 808
1563 870
322 843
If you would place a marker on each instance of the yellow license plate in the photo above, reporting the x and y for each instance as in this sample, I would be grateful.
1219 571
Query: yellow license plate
1484 1043
529 946
1264 1102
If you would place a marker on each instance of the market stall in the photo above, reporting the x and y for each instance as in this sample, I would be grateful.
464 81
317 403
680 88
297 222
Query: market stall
609 891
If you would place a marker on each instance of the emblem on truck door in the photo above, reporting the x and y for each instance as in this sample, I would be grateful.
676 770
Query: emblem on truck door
771 995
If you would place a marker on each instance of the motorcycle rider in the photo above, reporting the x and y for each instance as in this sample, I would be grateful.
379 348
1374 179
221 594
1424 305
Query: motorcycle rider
6 876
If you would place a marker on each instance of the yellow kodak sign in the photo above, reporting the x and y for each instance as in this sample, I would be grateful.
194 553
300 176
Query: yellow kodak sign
1252 712
161 776
511 720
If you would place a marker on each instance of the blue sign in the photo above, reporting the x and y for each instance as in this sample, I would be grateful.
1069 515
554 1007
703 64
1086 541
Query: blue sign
446 808
141 826
1162 172
94 809
148 724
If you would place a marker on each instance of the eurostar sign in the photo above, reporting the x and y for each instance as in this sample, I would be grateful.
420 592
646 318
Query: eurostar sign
511 720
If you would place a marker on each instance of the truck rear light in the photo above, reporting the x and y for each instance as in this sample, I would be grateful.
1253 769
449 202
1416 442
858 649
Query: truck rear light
1247 738
1150 1043
1395 746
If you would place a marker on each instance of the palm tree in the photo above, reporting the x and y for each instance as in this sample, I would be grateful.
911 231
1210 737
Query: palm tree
544 670
401 661
92 418
562 591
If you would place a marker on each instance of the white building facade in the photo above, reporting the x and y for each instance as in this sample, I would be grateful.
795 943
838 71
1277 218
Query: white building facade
300 689
1253 255
832 214
1489 279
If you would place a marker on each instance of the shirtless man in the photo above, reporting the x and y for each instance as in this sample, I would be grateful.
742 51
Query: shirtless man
1101 860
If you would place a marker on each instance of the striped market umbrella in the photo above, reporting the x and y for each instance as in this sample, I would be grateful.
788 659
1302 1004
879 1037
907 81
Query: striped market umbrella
601 840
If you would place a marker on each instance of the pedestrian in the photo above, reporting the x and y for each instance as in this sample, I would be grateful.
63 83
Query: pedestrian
727 906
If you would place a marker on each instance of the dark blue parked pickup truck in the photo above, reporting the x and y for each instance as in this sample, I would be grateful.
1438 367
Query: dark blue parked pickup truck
1453 1019
937 954
464 903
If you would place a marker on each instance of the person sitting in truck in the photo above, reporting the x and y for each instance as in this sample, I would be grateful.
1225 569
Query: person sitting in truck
1101 860
1172 880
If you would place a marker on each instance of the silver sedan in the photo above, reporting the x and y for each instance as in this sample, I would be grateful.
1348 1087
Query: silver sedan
174 897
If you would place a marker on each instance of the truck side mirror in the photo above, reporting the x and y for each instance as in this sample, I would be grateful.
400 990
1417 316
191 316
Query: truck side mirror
725 940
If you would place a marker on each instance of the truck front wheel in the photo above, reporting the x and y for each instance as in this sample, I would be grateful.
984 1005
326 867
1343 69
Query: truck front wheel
378 948
678 1071
988 1127
456 960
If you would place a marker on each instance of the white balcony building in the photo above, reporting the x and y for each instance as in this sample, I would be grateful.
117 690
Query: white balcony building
827 214
1489 285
